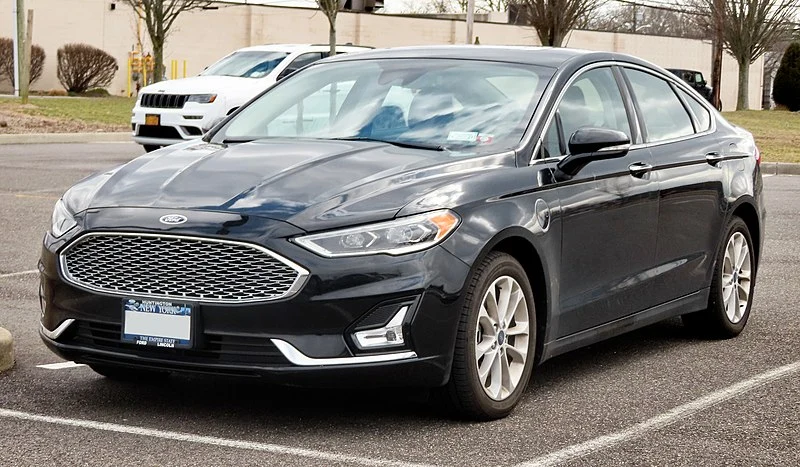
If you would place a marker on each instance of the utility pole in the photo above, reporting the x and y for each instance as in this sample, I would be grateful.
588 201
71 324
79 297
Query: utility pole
470 19
25 69
718 44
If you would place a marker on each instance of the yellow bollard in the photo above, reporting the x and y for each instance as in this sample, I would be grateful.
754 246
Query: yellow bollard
184 68
130 66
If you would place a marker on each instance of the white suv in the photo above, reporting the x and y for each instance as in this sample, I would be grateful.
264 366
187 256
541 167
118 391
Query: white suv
170 112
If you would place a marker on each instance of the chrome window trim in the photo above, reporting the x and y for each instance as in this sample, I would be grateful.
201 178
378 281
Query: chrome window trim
56 333
550 91
300 280
300 359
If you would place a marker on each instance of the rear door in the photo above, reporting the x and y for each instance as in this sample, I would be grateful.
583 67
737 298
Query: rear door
679 130
609 212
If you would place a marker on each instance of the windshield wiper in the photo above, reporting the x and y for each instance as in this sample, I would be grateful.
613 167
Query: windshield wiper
400 144
238 140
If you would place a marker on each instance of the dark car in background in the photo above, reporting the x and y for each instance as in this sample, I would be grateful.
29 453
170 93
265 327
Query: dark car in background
696 80
445 217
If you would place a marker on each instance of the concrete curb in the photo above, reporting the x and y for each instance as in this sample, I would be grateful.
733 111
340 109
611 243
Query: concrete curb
52 138
6 350
780 168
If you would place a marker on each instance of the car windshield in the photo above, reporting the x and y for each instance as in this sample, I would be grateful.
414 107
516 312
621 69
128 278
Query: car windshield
250 64
469 106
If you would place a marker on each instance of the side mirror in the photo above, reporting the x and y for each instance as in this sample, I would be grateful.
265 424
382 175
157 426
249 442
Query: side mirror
591 144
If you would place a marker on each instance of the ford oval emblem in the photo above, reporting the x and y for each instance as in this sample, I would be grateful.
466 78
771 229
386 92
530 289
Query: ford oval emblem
173 219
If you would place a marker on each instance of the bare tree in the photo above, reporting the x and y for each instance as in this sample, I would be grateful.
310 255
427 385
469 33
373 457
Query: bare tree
553 19
636 18
330 8
751 28
159 16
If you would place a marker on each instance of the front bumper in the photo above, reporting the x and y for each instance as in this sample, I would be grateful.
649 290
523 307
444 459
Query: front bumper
303 339
176 125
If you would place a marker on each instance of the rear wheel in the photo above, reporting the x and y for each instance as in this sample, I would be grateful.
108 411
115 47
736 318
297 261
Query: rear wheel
119 373
494 352
731 292
151 147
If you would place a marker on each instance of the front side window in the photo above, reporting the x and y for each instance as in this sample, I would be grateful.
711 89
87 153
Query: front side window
466 106
592 101
663 114
247 64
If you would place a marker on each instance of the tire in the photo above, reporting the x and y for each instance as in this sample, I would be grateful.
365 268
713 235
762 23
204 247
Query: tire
726 315
151 147
466 394
121 373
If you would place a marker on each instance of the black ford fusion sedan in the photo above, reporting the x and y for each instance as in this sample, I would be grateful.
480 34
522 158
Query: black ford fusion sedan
446 217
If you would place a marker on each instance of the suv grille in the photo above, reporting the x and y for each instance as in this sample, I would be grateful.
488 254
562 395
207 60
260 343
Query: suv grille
181 268
164 101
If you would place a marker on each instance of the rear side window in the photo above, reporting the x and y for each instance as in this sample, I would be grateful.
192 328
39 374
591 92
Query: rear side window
663 114
701 113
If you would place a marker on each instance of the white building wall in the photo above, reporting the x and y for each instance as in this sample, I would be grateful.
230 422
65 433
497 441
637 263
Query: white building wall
201 37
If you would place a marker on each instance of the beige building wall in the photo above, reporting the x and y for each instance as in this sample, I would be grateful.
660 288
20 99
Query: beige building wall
202 37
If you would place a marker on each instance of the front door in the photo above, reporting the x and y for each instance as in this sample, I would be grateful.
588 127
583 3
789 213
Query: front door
609 213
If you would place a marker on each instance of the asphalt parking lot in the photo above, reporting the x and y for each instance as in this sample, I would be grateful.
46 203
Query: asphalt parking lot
657 396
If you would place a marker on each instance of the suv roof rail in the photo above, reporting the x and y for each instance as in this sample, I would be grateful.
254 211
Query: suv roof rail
348 44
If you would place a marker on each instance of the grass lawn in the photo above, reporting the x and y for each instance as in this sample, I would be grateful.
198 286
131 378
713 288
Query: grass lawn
106 110
777 132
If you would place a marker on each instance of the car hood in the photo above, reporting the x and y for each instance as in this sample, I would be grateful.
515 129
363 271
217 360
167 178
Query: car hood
312 184
204 85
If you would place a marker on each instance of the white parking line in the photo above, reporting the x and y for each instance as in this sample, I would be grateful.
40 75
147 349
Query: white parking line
577 451
210 440
60 366
23 273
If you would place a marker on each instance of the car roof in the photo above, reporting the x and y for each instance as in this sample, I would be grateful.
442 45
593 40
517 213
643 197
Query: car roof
289 48
544 56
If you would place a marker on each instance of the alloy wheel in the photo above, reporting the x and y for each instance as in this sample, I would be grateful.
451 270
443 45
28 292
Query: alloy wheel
502 338
736 277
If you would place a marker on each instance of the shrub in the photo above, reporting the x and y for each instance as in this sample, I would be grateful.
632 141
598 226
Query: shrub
7 60
786 88
82 67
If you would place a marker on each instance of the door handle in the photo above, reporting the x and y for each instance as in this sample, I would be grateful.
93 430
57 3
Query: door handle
639 169
714 158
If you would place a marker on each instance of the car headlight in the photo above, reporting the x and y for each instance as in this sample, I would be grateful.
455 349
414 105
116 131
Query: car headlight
63 220
397 237
202 98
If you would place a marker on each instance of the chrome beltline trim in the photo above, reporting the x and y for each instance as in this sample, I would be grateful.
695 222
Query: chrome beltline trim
302 273
300 359
55 333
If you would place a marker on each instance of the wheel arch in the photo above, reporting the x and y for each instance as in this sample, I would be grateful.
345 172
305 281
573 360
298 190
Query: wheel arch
517 243
746 210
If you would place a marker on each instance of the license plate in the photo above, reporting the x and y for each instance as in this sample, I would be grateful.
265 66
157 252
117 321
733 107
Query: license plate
156 323
152 119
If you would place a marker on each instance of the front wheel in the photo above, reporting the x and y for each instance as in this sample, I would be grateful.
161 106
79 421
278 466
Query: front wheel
496 341
731 294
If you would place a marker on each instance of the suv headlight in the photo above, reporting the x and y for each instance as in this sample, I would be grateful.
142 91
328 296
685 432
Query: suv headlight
202 98
63 220
397 237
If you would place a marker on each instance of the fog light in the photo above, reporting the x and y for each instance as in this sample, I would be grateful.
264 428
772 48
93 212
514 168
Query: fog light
389 335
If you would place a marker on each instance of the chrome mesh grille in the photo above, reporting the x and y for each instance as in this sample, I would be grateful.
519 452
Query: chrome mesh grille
175 267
